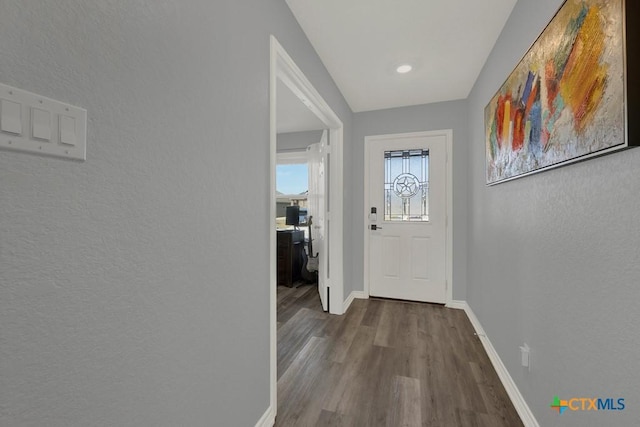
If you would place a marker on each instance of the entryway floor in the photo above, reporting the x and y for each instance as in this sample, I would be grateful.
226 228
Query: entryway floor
383 363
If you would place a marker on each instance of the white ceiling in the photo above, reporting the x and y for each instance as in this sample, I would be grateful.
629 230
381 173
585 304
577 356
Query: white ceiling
291 114
361 43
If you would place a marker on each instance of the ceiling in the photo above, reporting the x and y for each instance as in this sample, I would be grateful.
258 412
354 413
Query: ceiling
291 114
362 42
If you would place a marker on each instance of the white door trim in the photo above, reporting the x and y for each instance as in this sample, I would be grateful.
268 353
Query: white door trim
448 134
284 68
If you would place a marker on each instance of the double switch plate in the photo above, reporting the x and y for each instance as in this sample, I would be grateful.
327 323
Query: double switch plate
33 123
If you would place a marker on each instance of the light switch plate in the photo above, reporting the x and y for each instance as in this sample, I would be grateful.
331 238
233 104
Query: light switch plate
36 124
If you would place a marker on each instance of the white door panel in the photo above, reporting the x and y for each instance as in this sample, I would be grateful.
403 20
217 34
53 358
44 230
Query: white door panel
407 189
317 160
390 256
420 246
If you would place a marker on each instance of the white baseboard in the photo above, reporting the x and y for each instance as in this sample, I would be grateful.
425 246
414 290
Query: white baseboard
458 305
268 419
353 295
510 386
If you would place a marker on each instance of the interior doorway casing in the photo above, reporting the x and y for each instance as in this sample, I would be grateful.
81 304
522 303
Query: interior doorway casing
283 68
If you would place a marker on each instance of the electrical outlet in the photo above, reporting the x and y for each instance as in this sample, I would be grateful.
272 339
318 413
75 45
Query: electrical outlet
525 354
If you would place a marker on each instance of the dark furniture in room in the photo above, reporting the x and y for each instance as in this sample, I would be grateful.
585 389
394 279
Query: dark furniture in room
290 246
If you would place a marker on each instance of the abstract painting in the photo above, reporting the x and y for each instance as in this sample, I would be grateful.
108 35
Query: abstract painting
565 100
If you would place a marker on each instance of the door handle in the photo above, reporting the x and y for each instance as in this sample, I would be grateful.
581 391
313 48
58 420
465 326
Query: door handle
375 227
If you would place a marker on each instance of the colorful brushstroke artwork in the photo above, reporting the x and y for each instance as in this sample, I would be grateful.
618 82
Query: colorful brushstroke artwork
565 99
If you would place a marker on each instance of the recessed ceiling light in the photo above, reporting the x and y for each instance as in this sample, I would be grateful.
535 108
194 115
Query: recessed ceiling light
404 68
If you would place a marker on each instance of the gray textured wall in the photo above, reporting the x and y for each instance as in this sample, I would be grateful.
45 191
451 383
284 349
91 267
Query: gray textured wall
125 297
445 115
554 260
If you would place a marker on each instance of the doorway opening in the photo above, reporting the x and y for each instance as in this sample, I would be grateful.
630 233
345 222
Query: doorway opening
284 71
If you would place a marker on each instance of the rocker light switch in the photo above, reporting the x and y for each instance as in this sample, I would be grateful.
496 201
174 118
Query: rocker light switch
41 124
36 124
67 130
11 119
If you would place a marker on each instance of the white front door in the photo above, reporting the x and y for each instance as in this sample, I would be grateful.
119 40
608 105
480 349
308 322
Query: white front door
406 216
317 159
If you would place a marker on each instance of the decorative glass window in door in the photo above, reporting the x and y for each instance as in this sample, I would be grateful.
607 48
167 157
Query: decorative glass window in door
406 185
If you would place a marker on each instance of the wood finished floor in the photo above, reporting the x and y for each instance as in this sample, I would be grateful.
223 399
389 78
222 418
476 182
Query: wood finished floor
384 363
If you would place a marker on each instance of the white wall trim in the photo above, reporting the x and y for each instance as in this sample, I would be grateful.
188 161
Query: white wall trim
273 278
448 133
353 295
510 386
457 304
268 419
292 157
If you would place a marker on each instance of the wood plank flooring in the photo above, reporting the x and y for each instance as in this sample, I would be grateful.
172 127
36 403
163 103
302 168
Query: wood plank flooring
384 363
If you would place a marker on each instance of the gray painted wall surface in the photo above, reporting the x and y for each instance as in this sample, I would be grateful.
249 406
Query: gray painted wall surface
554 260
445 115
298 140
125 297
